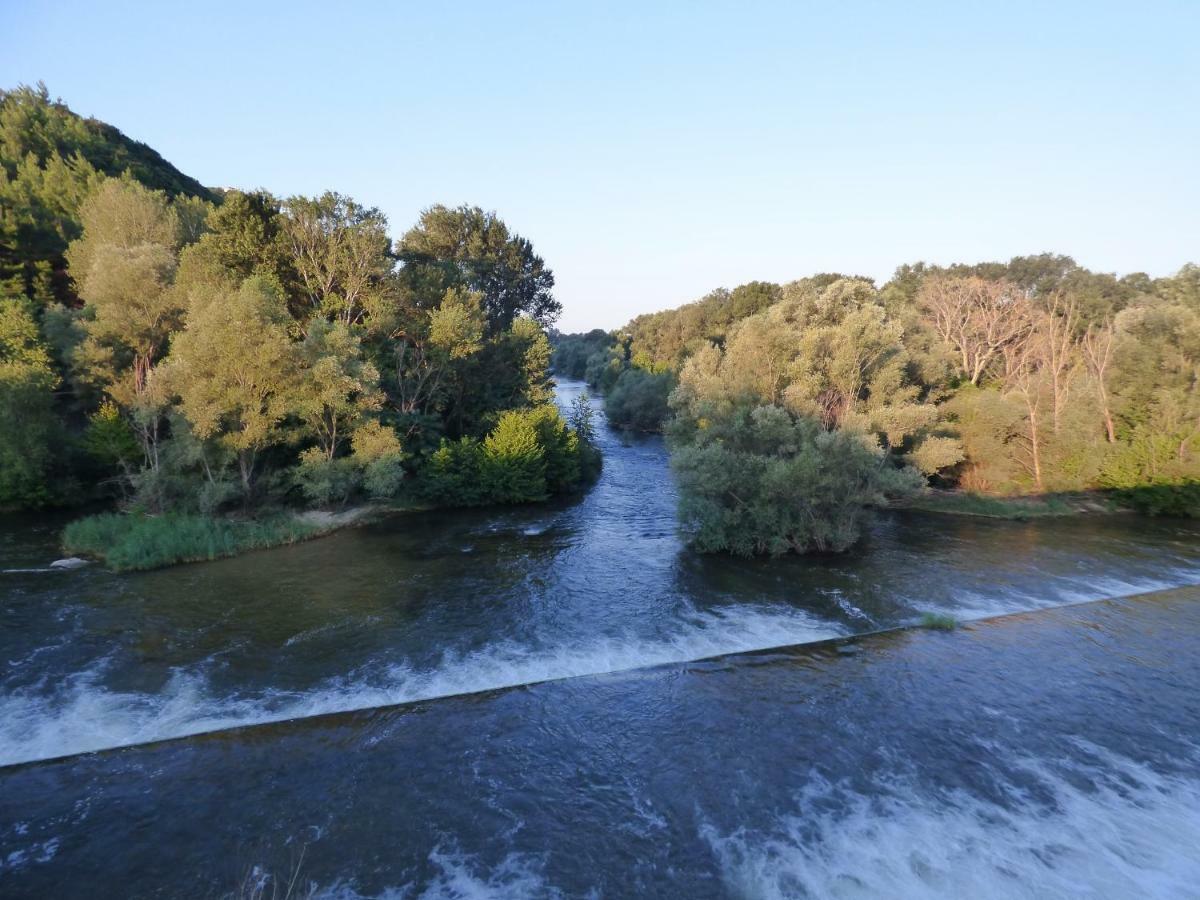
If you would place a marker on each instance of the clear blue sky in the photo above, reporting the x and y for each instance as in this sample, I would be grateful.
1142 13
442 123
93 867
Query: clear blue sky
653 152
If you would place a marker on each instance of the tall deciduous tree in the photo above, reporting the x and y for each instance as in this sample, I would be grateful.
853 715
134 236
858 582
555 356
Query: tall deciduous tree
337 387
235 370
467 247
341 254
124 264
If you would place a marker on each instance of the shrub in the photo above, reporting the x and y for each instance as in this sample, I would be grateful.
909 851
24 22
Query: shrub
380 455
29 431
515 459
324 481
1180 499
638 399
527 456
590 460
454 475
758 480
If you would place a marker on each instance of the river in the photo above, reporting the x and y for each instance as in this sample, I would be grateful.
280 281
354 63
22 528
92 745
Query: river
1049 753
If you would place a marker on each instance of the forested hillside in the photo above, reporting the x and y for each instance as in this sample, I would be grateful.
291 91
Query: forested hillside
193 353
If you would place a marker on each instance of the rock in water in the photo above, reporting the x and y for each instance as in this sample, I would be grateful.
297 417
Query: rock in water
71 562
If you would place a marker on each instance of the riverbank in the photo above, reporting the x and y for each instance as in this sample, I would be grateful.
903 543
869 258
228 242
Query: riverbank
127 542
1031 506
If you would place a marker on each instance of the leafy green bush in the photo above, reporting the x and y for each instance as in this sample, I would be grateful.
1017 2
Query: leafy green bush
529 455
758 480
638 399
1180 499
131 541
514 469
379 453
324 481
572 351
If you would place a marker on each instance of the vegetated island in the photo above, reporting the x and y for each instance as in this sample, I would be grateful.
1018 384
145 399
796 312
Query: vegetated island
1011 390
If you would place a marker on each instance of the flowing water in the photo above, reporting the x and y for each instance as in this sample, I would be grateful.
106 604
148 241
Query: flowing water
1050 754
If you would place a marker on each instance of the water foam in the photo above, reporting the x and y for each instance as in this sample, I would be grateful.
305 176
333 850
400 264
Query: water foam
459 876
84 716
1058 591
1134 833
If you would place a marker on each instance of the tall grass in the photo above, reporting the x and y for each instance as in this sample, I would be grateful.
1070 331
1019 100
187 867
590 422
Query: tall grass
968 504
129 541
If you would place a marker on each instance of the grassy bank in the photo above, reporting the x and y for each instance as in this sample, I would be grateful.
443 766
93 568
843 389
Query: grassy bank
127 541
963 503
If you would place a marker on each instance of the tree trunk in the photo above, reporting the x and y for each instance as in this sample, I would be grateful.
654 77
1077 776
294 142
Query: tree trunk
1035 449
246 467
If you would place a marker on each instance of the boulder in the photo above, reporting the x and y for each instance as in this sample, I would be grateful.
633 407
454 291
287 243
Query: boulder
71 562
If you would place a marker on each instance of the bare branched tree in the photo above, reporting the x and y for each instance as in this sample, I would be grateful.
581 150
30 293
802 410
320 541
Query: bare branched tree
1023 380
977 317
1097 346
1054 341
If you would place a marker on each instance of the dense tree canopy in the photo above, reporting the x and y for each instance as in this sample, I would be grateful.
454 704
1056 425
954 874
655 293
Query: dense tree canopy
1029 376
208 349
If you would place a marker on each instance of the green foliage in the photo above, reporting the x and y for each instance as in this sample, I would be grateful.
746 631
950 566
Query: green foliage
29 430
760 480
938 622
110 440
132 541
604 367
582 422
468 248
235 370
325 481
638 400
514 469
380 454
341 255
453 476
337 388
572 351
665 339
1177 499
239 346
529 455
50 160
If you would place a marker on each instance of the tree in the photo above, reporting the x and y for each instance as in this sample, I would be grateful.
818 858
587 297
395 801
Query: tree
124 264
760 480
28 428
243 238
471 249
977 317
341 254
638 400
234 369
337 388
1097 346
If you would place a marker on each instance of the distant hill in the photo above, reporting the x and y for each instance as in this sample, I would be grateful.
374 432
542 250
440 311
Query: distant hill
50 158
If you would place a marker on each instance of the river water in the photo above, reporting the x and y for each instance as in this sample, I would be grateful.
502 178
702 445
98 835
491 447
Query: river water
1047 754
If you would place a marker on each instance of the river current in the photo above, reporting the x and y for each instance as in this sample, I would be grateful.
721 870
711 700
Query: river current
1049 753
